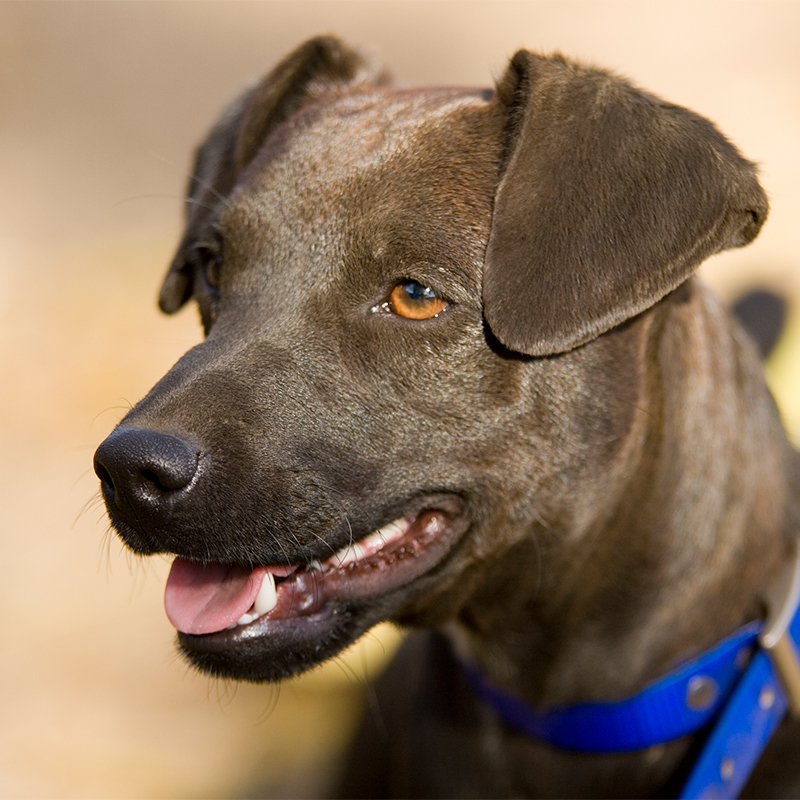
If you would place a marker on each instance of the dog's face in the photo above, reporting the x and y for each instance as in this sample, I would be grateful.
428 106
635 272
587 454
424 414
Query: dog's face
324 411
353 441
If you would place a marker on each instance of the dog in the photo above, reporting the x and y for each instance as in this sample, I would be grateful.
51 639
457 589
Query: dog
458 373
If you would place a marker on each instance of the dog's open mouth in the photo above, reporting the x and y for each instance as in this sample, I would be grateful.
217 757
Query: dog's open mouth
269 622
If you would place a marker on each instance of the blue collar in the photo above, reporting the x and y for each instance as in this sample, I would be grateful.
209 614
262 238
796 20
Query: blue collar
741 690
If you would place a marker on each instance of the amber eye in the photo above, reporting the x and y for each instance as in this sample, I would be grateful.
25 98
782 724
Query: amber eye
412 300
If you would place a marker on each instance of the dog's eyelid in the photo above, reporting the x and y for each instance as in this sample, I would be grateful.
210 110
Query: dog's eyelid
208 241
204 249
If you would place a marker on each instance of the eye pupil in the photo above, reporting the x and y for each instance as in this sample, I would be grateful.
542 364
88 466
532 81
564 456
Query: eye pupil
413 300
418 293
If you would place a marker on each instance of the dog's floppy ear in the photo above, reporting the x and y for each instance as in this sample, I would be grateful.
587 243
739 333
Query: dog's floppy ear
609 199
320 67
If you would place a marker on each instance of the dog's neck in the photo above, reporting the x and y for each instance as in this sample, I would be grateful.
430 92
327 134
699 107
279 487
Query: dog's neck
686 537
681 540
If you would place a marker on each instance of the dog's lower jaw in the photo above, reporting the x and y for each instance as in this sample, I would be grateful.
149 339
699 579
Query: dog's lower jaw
290 648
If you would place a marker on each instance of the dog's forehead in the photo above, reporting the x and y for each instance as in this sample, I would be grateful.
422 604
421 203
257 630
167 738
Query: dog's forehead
359 129
411 148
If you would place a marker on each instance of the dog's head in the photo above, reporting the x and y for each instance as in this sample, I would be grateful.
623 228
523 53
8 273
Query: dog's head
416 350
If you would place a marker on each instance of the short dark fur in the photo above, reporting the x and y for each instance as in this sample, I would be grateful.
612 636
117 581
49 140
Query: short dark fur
592 423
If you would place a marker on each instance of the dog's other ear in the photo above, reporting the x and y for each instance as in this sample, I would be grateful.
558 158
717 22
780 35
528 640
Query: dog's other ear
322 66
608 200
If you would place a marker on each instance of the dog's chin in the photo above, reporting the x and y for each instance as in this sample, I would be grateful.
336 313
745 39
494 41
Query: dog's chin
320 608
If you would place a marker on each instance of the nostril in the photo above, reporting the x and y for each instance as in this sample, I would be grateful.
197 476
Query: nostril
105 478
163 481
140 469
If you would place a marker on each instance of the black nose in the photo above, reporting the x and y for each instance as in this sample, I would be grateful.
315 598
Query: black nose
144 474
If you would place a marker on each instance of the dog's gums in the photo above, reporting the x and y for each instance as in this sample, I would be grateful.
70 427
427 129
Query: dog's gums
222 611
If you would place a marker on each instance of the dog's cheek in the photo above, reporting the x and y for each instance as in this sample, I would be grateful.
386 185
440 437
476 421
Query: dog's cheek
575 414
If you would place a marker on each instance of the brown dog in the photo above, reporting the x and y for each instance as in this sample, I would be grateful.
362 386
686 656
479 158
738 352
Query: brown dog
458 374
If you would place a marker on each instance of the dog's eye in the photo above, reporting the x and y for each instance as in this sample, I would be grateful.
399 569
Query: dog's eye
412 300
213 267
207 263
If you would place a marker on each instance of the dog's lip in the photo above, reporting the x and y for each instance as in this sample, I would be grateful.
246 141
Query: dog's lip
312 597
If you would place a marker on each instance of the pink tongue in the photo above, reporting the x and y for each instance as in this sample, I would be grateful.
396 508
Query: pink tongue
206 599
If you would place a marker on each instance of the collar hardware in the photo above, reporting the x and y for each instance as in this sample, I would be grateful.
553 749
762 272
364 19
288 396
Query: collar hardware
780 633
701 693
784 658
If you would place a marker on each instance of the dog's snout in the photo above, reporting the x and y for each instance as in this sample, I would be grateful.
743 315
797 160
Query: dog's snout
143 472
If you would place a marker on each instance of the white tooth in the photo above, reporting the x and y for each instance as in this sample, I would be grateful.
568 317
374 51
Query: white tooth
342 557
375 540
245 619
394 527
267 597
395 530
388 533
349 554
317 566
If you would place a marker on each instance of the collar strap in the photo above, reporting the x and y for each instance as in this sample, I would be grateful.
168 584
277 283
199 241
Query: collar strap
676 705
745 685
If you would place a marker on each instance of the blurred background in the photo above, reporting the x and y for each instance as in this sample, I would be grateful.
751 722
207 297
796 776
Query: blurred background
100 107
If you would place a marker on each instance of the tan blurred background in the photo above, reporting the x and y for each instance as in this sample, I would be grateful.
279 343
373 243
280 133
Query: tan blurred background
100 105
